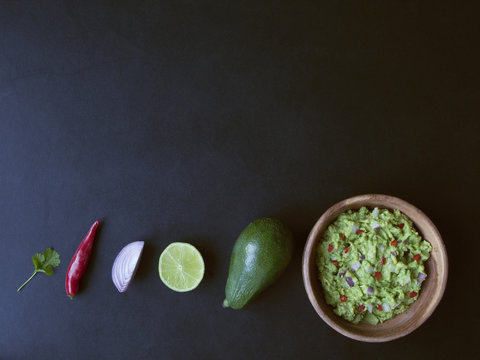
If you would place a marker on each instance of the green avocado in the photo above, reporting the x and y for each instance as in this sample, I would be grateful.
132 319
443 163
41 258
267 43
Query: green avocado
260 255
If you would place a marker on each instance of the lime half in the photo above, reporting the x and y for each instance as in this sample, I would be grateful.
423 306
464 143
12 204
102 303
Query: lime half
181 267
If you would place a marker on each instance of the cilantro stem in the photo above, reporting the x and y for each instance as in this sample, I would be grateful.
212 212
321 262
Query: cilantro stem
26 282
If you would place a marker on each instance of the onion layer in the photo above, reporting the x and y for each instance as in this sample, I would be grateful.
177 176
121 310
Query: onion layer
126 264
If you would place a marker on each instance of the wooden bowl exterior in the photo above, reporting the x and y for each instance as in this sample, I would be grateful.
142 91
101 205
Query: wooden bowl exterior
432 288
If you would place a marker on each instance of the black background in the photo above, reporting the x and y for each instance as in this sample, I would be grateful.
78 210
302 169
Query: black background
186 120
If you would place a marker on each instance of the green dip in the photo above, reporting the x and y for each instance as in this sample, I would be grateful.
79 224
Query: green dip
371 264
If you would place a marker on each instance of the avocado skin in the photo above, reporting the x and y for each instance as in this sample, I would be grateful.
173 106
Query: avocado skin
259 256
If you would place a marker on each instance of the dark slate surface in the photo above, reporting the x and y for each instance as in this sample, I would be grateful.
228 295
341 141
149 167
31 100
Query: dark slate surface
186 120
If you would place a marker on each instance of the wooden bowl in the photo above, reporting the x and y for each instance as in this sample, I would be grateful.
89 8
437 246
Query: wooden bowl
432 288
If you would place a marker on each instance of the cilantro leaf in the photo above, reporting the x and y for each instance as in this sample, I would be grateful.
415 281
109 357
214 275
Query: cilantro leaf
50 259
37 260
43 263
49 270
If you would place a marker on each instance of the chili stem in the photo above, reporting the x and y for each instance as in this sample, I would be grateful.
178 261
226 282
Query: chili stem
30 278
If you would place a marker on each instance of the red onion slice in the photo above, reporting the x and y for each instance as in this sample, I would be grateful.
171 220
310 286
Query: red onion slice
421 277
126 264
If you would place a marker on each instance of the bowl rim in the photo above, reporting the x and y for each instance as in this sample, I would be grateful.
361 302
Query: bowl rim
309 255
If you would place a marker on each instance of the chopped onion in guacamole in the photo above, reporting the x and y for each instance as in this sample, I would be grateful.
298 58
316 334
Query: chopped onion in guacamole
371 264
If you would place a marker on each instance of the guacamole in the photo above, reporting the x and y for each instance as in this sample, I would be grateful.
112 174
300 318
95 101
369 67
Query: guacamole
371 264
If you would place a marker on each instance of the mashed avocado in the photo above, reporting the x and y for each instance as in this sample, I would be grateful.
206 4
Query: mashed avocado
371 264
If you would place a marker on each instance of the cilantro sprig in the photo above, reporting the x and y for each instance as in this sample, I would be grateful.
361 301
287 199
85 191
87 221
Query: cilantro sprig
43 263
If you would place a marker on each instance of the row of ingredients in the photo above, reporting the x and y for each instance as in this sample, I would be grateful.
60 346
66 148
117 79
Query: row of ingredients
370 263
181 265
260 255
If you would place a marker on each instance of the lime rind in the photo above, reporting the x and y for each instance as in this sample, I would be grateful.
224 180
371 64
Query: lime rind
181 267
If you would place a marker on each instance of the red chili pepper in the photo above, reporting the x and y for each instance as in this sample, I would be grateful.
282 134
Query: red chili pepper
393 242
359 232
416 257
79 262
378 275
379 307
413 294
401 225
347 249
330 247
383 261
335 262
361 308
342 235
343 298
